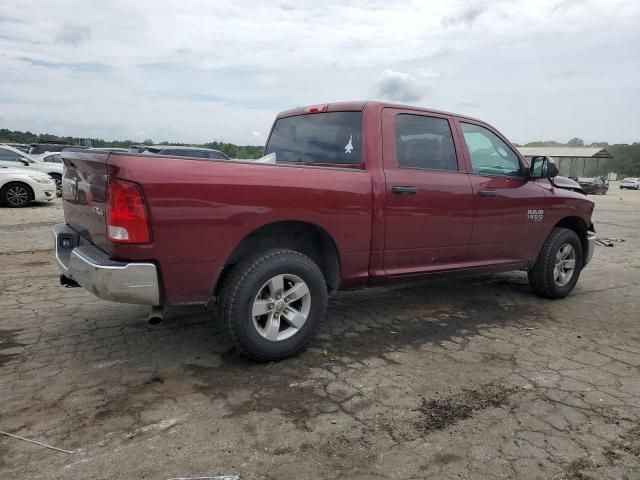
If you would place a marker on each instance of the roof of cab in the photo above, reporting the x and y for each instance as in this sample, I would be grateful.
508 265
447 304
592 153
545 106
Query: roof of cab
359 105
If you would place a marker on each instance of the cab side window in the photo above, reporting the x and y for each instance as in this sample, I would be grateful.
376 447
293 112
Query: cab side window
489 155
424 142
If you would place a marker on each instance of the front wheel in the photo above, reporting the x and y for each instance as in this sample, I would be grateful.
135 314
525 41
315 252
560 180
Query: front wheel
273 303
558 267
58 179
16 195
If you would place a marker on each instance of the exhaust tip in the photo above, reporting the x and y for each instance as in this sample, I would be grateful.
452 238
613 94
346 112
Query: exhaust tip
156 316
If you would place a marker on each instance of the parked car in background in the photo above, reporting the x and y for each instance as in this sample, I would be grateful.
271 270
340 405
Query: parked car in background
359 194
12 157
631 183
110 149
48 157
137 148
594 185
182 151
23 147
40 148
19 187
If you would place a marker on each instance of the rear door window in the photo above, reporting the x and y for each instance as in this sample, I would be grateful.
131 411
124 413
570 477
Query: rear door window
326 138
424 142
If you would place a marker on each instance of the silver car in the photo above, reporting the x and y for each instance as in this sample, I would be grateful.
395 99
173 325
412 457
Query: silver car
631 183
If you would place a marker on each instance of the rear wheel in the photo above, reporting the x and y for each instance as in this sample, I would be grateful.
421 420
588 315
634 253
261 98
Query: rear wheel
557 269
16 195
273 303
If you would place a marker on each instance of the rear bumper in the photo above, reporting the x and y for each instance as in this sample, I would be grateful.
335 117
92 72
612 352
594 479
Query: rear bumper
108 279
591 246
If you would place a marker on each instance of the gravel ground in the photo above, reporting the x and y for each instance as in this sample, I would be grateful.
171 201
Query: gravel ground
473 378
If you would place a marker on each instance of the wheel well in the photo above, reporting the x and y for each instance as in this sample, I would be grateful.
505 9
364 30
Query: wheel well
577 225
306 238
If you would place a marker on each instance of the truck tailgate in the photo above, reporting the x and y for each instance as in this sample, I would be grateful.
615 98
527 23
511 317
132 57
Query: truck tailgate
84 189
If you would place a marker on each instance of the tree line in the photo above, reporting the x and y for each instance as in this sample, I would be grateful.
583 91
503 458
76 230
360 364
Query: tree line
626 157
229 149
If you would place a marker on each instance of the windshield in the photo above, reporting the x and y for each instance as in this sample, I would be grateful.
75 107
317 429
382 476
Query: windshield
328 138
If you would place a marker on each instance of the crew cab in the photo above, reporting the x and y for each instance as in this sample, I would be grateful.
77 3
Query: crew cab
360 194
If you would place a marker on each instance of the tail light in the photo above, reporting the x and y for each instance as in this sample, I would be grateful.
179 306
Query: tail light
127 220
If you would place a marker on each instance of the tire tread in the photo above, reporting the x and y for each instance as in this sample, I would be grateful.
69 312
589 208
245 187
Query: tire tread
538 274
229 300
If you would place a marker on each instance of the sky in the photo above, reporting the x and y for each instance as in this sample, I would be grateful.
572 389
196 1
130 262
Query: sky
198 71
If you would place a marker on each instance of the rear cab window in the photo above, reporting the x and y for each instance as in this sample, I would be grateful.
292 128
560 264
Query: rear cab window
424 142
328 139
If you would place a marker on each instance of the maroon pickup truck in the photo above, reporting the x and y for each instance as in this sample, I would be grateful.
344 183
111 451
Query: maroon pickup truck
359 194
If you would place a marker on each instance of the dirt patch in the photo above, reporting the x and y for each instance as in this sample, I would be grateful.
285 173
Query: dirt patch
580 469
628 443
7 341
441 413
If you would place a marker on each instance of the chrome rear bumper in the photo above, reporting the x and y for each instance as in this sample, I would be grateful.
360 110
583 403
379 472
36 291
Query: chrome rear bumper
108 279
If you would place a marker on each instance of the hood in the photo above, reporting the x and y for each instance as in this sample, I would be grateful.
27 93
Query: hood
21 171
566 183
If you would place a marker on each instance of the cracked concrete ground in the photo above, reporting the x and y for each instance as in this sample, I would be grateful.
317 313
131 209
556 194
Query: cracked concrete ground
467 379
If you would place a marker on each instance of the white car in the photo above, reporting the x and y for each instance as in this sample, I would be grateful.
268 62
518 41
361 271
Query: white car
630 182
48 157
12 157
19 187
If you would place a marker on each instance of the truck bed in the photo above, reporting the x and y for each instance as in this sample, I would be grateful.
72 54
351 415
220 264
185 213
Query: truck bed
200 210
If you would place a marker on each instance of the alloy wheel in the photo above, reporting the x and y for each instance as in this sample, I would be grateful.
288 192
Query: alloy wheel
564 265
281 307
17 196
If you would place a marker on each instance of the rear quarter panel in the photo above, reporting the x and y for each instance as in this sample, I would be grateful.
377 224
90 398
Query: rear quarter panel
201 210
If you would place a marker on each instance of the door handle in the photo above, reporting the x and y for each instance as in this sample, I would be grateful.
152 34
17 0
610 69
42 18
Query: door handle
488 193
404 190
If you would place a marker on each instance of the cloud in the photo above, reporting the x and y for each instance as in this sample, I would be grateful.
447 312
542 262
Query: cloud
567 4
71 66
398 87
192 69
73 35
467 16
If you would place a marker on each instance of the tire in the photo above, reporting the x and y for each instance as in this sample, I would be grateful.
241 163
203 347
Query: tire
16 195
253 286
543 277
58 179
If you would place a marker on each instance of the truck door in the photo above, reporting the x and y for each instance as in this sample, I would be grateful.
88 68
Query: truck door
428 202
508 209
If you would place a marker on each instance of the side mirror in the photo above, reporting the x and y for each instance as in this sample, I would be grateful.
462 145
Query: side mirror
542 167
24 162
